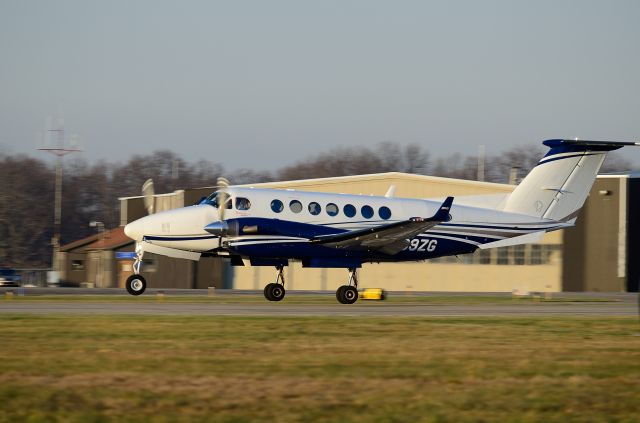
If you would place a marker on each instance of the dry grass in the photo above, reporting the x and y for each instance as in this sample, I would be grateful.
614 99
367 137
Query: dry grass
146 368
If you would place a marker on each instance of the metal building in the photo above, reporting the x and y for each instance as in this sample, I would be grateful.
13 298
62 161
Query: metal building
602 252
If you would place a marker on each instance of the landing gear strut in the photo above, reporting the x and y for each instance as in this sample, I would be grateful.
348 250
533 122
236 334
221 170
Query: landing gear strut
348 294
275 291
135 283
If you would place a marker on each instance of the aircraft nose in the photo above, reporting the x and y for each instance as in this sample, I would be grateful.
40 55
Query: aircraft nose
134 230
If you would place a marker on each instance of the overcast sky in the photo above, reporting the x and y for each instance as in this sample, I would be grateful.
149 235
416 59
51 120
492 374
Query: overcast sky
265 83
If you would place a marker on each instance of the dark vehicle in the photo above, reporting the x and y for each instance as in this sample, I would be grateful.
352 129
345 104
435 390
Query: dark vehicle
9 277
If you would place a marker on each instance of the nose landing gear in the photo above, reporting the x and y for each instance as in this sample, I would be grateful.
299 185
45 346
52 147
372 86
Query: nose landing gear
275 291
136 284
348 294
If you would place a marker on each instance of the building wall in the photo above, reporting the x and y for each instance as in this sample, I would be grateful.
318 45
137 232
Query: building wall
74 268
633 235
131 208
595 260
447 277
100 266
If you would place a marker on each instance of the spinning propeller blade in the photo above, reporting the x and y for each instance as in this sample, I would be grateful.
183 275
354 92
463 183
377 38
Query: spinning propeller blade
223 196
148 196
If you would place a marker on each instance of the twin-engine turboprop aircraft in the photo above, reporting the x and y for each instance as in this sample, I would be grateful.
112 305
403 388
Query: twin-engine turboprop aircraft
269 227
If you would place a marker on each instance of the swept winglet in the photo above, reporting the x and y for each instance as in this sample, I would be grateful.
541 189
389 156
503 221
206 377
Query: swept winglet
442 215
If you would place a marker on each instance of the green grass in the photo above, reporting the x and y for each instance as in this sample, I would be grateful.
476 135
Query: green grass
236 369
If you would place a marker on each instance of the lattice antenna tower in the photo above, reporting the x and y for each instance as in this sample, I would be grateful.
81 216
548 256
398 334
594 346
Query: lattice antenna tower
59 148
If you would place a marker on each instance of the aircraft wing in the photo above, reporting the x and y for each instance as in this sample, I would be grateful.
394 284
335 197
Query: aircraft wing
389 239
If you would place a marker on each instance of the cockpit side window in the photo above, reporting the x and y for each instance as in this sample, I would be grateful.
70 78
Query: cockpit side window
242 203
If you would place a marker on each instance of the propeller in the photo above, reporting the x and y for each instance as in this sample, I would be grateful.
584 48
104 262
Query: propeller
219 227
223 196
148 196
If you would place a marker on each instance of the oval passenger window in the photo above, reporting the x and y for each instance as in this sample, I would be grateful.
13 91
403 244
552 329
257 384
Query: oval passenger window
367 212
314 208
349 210
295 206
277 206
332 209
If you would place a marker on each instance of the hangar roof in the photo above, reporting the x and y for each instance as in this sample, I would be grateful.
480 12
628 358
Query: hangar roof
407 185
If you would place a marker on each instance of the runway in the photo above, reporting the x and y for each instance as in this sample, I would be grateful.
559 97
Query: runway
614 304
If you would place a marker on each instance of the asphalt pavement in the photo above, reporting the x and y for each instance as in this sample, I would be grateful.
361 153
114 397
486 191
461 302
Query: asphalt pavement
619 304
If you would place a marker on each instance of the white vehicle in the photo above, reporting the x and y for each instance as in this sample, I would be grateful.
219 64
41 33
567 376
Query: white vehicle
269 227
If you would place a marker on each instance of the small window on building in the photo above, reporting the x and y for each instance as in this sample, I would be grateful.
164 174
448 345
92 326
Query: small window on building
384 212
484 257
332 209
277 206
536 254
77 264
149 265
367 212
503 255
314 208
349 210
295 206
243 203
518 254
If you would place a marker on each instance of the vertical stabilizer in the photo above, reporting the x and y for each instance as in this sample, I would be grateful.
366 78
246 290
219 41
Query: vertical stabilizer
559 184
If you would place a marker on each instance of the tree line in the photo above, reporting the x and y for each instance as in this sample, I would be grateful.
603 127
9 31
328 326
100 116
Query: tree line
91 190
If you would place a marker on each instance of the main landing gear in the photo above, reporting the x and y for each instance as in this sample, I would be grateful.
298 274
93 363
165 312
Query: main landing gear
348 294
274 291
135 283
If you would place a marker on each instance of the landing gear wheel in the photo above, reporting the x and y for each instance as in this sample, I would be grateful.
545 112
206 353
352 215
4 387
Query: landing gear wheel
339 294
347 294
267 291
274 292
135 284
277 292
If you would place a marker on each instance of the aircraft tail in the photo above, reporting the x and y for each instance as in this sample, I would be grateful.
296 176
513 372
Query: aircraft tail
559 184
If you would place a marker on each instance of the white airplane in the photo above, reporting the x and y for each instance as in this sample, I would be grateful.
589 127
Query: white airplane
269 227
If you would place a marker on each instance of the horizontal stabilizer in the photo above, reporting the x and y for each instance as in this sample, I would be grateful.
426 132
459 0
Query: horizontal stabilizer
517 240
590 145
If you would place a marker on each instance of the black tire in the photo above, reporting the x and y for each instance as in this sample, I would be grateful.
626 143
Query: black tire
135 284
350 295
339 294
267 291
277 292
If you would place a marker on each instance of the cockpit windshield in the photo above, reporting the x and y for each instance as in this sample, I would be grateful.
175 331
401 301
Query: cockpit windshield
216 197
